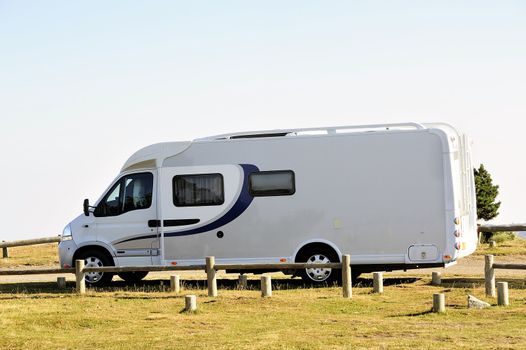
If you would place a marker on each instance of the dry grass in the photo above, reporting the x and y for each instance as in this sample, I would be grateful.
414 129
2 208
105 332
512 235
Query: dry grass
37 316
516 247
37 255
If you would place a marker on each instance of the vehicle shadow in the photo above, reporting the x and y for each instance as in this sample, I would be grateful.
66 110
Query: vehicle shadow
51 290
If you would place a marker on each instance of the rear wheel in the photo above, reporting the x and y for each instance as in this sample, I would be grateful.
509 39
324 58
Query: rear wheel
96 258
133 277
319 254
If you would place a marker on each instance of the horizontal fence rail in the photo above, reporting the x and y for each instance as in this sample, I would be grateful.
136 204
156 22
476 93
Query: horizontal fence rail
217 267
509 266
4 245
17 272
24 242
153 268
502 228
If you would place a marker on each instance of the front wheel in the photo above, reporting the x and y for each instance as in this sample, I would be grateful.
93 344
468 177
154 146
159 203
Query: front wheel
95 258
319 276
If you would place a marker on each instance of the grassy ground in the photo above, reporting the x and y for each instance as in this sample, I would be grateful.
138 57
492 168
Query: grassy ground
514 247
38 255
37 316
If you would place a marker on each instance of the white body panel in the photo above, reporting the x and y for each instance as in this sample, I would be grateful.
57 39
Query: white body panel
388 196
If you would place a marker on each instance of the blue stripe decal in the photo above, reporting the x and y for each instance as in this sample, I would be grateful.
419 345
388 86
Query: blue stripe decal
242 203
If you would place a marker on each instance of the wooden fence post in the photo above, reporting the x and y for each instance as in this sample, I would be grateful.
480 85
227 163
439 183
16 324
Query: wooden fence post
266 286
190 303
502 294
80 276
489 276
346 276
242 282
211 276
439 302
61 282
378 282
5 252
175 283
436 278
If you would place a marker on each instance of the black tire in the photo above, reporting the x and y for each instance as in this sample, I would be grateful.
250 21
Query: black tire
95 257
321 254
133 277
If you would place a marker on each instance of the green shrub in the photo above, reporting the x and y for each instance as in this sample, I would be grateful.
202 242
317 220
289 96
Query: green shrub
500 237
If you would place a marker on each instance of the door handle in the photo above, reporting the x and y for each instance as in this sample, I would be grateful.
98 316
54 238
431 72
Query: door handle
172 222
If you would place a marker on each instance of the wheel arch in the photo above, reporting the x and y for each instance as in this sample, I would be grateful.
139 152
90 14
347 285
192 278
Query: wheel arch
316 242
93 246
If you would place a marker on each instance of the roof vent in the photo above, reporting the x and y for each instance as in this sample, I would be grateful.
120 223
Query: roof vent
251 136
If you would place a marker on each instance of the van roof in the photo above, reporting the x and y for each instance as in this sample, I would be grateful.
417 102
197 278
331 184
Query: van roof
153 156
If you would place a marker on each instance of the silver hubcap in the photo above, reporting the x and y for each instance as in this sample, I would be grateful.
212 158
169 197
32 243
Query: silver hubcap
318 274
93 277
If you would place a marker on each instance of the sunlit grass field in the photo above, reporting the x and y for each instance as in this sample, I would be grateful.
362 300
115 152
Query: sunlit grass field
513 247
37 316
148 316
37 255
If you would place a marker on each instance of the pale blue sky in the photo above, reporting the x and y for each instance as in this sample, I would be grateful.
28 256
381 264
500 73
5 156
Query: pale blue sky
83 85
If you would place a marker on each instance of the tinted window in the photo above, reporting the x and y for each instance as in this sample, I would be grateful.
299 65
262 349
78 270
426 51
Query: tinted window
131 192
272 183
110 205
198 190
137 191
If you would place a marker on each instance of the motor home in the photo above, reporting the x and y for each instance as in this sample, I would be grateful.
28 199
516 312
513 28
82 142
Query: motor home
394 196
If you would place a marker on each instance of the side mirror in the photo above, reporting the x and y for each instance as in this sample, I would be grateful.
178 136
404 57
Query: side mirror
86 207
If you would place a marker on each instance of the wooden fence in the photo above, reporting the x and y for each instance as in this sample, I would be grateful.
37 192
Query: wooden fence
502 228
210 268
489 272
4 245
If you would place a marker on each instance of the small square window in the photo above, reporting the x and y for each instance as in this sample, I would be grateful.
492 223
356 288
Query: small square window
198 190
272 183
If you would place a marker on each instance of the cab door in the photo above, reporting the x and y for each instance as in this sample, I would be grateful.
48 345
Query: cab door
126 218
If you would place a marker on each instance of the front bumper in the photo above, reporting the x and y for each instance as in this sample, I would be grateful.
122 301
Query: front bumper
66 249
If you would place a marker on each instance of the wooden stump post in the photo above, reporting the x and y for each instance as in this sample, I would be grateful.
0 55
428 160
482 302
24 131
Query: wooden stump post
80 276
266 286
439 302
5 252
489 276
436 278
346 276
61 282
211 276
175 283
378 282
190 303
242 282
502 294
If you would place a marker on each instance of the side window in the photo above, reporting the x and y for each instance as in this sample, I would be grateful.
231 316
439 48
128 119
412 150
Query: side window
272 183
137 192
198 190
110 205
131 192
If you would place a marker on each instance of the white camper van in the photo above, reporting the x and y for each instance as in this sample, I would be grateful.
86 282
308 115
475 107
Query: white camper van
396 196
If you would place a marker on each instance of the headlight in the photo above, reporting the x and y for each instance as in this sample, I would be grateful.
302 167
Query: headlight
66 233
